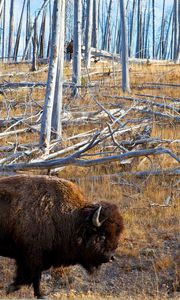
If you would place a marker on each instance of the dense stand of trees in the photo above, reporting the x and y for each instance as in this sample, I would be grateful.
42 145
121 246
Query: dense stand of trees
132 28
151 32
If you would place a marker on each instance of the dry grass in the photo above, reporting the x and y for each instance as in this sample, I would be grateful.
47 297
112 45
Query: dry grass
149 255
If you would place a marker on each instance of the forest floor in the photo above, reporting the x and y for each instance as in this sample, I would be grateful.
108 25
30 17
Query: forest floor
147 264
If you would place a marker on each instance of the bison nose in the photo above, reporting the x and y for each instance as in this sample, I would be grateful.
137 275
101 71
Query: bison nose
112 258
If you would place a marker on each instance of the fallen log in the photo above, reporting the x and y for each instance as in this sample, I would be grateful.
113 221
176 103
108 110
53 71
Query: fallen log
75 160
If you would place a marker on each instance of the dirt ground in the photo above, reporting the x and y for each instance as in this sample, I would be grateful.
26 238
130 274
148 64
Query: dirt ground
125 278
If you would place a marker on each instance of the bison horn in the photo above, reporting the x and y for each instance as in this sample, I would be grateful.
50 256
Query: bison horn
95 218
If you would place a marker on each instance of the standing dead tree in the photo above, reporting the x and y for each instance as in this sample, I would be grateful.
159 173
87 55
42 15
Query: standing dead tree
88 38
76 77
11 29
56 125
124 51
54 64
16 47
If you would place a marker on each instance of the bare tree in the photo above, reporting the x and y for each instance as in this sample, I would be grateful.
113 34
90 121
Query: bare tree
34 61
16 47
76 77
11 28
106 38
176 29
57 105
51 81
95 24
42 34
153 30
139 30
125 68
88 33
132 28
4 30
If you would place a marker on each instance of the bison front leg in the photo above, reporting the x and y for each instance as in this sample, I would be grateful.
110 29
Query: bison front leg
36 285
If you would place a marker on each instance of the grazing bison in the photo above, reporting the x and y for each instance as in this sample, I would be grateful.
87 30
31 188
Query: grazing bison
69 49
46 221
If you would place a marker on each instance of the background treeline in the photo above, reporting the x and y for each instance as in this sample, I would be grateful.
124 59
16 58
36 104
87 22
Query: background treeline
153 27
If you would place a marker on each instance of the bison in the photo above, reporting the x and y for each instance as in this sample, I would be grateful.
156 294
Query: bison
47 222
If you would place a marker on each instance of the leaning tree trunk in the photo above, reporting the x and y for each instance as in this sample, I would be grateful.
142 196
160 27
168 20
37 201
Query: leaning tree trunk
57 106
76 77
88 33
124 50
16 47
45 134
11 29
32 31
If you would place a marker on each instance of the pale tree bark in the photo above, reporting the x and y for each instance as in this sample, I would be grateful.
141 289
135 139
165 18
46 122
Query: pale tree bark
32 30
16 47
51 81
28 27
106 38
50 29
76 77
34 60
124 51
132 28
1 6
139 30
57 106
4 31
146 48
88 37
160 48
153 29
11 29
176 30
42 34
167 35
95 24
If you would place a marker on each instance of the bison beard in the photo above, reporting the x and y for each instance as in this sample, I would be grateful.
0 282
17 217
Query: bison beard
46 221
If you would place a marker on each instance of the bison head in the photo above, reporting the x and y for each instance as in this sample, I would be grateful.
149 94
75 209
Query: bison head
99 235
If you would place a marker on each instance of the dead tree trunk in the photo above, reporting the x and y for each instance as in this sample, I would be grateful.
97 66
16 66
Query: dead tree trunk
16 47
34 61
4 30
125 68
139 30
132 28
88 33
11 29
28 27
42 34
95 24
153 29
57 105
76 77
51 82
176 29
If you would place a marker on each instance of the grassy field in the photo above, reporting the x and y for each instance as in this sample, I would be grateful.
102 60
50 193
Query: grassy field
148 257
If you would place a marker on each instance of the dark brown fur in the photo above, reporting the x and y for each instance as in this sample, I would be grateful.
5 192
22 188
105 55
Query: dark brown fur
69 48
46 221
